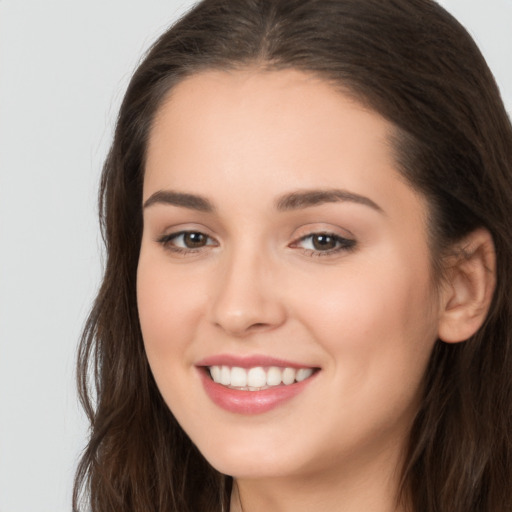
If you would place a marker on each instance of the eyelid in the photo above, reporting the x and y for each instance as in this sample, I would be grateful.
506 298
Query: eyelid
167 239
342 243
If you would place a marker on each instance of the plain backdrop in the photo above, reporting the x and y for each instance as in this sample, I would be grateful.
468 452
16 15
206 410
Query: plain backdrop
64 66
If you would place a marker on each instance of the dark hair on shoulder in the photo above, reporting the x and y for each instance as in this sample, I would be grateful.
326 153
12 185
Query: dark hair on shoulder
417 66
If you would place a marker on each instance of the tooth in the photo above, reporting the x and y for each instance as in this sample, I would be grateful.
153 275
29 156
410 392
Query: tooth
225 376
274 375
303 374
238 377
215 373
256 377
288 375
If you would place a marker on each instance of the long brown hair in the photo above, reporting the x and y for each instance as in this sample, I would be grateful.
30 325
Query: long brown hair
413 63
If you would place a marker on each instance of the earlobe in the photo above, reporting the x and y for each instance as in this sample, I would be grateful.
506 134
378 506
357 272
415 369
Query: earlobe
469 286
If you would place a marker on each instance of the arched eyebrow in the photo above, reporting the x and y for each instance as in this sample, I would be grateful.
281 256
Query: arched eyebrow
308 198
293 201
191 201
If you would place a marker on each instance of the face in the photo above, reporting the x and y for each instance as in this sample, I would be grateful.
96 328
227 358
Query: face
285 291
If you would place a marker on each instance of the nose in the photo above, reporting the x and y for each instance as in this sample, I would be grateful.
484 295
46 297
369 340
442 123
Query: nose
248 298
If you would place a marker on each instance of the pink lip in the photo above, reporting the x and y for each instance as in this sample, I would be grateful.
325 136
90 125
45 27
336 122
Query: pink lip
248 361
249 402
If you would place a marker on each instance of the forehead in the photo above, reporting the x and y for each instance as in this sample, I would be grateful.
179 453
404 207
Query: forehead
288 104
266 132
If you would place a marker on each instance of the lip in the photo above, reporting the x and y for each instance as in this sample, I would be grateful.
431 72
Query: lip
250 402
249 361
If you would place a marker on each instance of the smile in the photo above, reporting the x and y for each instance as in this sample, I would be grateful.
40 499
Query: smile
254 384
257 378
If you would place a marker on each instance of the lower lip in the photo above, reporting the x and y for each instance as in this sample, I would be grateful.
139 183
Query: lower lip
250 402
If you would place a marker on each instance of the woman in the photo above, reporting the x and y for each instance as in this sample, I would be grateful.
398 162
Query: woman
306 304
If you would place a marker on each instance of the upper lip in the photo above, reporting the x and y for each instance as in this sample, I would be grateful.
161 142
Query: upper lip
249 361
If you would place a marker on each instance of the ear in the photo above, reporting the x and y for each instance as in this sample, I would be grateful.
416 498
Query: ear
470 279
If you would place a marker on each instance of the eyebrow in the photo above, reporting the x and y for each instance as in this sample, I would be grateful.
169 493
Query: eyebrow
293 201
308 198
191 201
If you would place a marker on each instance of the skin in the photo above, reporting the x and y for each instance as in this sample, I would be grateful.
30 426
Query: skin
367 316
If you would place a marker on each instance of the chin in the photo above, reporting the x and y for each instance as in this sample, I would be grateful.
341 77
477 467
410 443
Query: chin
252 462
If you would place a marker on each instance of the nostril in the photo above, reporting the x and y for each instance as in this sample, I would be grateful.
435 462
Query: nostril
243 328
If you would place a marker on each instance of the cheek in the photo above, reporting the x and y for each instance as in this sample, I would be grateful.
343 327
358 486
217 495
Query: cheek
376 320
378 330
363 298
169 308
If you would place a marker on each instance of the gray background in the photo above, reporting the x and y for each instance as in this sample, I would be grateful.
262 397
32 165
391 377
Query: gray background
64 66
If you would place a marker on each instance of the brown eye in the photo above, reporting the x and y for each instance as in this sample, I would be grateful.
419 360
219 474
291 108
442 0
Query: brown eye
186 241
322 242
193 240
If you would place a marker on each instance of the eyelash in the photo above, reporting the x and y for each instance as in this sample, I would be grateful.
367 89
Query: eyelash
167 242
341 243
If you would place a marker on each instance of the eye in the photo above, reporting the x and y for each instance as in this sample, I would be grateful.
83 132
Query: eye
186 241
324 243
